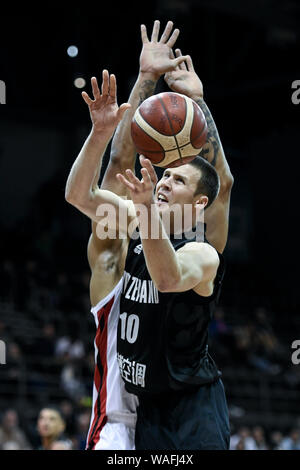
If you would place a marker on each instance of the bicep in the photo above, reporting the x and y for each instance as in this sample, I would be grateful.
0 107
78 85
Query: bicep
198 263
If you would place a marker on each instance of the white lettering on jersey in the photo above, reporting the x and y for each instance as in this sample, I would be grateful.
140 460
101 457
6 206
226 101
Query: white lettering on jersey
131 371
138 249
138 290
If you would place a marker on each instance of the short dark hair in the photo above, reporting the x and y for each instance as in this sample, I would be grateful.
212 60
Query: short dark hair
209 183
55 408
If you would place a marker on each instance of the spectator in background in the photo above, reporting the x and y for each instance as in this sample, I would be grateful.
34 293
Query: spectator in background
242 440
44 347
70 346
291 442
4 333
71 351
258 434
61 445
51 426
8 281
83 424
11 436
69 415
13 370
276 439
254 346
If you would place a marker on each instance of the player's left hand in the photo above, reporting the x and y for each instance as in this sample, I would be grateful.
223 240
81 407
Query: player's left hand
184 78
142 191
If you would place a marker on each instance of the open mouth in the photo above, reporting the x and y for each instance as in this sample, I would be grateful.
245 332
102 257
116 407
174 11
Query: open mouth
161 198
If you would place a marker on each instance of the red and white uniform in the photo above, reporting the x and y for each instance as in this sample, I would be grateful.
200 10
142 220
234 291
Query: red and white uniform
113 416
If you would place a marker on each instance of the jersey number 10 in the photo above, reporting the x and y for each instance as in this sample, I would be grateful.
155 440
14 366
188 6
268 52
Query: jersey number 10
129 327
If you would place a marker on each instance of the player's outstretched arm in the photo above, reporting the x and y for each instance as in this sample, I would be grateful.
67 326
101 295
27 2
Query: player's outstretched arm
185 80
105 114
155 60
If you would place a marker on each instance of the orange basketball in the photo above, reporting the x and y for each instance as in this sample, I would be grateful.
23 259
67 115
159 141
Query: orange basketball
169 128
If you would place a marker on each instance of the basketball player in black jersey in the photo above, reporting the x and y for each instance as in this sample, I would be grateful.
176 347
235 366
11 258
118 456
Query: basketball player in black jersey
219 210
170 291
162 342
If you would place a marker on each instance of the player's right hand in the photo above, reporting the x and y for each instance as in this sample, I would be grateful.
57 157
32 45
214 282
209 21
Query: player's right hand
156 56
104 110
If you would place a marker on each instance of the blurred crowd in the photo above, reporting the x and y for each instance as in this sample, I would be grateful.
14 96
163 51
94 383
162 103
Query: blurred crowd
57 428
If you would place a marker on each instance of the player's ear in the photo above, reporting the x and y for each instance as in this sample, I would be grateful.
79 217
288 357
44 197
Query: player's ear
201 201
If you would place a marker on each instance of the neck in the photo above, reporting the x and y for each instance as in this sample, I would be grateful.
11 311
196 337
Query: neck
47 441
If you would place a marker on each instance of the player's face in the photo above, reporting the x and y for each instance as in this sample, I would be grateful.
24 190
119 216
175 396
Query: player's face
175 197
49 423
177 186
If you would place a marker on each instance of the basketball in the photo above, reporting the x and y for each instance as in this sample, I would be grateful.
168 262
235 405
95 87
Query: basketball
169 128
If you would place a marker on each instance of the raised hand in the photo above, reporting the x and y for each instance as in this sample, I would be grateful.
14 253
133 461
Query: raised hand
184 78
141 190
156 56
104 110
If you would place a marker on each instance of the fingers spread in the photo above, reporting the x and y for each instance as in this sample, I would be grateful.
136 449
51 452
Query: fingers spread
132 178
95 88
145 163
181 60
86 98
189 63
113 87
173 57
124 181
144 35
146 176
166 32
105 82
173 38
155 31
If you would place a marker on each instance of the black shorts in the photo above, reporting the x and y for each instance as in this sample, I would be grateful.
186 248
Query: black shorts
189 420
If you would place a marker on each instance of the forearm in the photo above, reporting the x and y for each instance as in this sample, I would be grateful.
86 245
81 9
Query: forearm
123 152
83 174
158 250
122 148
213 150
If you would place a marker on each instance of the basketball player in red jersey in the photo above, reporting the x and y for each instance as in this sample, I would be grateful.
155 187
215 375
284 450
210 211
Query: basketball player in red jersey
113 414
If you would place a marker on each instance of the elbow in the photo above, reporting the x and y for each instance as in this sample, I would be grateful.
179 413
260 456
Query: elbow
226 183
70 197
169 284
73 198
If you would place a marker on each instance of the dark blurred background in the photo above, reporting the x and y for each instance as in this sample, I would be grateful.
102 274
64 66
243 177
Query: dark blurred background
247 56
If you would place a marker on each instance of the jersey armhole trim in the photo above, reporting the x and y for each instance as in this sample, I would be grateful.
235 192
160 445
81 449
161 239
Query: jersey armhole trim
102 302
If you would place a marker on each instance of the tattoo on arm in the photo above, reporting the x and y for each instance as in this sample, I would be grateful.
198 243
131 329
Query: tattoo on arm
147 89
211 149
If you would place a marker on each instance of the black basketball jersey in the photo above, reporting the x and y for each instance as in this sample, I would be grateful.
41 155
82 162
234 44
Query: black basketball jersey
162 337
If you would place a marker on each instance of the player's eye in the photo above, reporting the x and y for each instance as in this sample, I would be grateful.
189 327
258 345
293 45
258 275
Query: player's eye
180 179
